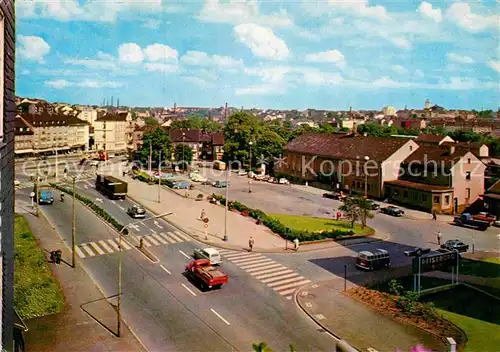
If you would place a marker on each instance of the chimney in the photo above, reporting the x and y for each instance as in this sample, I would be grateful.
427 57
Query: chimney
452 149
354 128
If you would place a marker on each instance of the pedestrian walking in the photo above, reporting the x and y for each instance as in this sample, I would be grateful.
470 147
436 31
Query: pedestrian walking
202 215
250 243
438 235
338 215
434 215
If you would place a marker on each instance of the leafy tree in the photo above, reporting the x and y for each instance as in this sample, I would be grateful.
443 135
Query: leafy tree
134 115
268 145
261 347
240 129
198 122
151 121
357 208
183 155
350 209
159 140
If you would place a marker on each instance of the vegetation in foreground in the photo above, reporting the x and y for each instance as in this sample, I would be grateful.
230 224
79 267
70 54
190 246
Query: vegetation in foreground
36 292
488 267
314 224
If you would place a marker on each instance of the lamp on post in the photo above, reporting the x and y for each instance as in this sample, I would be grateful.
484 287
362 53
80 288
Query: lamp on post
183 146
122 231
250 161
366 177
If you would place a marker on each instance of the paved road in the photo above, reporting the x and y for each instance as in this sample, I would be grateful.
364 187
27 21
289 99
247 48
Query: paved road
274 198
168 312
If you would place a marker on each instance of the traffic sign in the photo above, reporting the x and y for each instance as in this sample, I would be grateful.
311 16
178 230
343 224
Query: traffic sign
32 194
434 261
205 220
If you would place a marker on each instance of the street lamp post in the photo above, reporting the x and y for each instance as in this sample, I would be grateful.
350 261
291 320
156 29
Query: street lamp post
226 238
250 162
366 177
73 228
119 305
183 146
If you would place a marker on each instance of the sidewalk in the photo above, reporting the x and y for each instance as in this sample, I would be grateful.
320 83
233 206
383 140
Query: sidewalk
73 329
186 217
359 325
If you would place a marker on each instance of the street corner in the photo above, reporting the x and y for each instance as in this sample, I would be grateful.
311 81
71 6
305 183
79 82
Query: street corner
307 299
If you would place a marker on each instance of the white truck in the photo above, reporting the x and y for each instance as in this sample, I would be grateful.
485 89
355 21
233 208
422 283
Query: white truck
211 254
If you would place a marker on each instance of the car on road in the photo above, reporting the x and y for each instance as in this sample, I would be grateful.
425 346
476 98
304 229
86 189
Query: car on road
206 274
209 253
417 251
374 206
271 179
94 163
45 197
222 184
455 245
484 216
392 210
180 185
136 211
283 181
379 258
334 195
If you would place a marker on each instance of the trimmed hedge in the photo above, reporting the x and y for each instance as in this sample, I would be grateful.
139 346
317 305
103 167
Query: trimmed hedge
277 227
97 209
144 178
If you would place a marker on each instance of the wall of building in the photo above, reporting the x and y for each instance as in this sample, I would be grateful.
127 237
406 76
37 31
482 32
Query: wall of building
462 185
7 174
390 168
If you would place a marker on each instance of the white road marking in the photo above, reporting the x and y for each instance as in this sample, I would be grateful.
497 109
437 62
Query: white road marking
158 225
97 248
113 202
239 256
268 271
79 252
114 245
189 290
225 251
295 284
285 281
263 268
184 254
281 277
88 250
183 235
220 317
165 236
165 269
248 260
105 246
121 208
152 231
159 238
178 239
134 226
153 241
275 272
85 186
258 264
99 200
124 244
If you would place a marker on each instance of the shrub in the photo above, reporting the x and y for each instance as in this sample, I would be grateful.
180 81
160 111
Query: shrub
395 287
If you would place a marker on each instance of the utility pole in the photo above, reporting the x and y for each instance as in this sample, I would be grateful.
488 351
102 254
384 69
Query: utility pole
73 229
57 166
150 156
36 193
226 238
159 177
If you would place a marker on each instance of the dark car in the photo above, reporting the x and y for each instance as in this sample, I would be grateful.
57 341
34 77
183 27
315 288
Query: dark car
334 195
374 206
392 210
455 245
136 211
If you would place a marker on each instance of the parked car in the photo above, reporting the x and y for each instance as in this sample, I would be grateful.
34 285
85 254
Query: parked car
374 206
484 216
208 183
417 251
392 210
222 184
136 211
283 181
180 185
271 179
466 220
17 182
455 245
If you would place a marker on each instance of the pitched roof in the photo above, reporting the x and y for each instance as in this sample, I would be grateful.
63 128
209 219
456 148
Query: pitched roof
430 138
45 119
463 145
345 146
196 135
495 188
22 127
418 186
112 116
429 154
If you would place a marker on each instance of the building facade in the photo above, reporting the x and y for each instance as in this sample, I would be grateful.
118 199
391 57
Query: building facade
7 114
112 132
205 145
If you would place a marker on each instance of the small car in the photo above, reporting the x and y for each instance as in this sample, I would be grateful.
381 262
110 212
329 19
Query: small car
455 245
378 259
417 251
136 211
221 184
17 183
283 181
374 206
180 185
242 173
271 179
392 210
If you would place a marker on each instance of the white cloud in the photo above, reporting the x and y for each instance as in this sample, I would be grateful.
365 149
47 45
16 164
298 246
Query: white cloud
316 77
100 64
399 69
151 23
130 53
32 48
62 83
400 42
262 41
360 8
465 83
269 74
157 52
200 58
426 10
495 65
460 59
241 11
25 72
332 56
386 82
161 67
419 73
461 13
260 90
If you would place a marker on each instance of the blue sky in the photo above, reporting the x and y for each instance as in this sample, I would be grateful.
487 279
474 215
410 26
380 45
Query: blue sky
299 54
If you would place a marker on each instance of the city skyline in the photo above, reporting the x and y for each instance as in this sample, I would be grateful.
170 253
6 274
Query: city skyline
260 54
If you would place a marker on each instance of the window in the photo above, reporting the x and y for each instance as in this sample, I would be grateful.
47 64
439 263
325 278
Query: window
436 199
411 148
468 160
447 199
424 197
353 184
405 194
467 175
467 192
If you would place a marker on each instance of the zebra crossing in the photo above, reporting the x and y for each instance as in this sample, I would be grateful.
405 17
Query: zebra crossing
80 177
276 276
92 249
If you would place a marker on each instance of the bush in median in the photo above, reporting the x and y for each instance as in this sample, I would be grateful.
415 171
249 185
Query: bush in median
95 208
277 227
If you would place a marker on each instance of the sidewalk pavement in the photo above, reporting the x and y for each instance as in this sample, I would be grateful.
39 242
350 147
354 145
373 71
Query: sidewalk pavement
358 324
73 329
186 217
409 213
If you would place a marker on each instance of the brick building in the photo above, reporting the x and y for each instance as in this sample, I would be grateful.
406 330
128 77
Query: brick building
7 114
